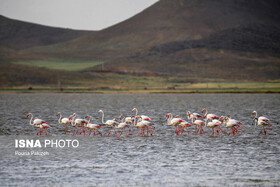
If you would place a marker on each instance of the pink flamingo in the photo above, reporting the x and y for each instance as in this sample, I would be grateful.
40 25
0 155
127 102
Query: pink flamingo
182 126
78 122
110 123
261 121
91 126
232 124
64 121
174 121
216 126
142 124
199 123
41 124
143 117
193 116
124 124
209 116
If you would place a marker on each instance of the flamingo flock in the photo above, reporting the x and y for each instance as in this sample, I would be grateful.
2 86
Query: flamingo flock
144 123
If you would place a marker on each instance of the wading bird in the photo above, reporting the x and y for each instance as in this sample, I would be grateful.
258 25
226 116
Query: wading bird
200 125
193 116
64 121
124 125
92 126
173 121
261 121
78 122
109 123
209 116
39 123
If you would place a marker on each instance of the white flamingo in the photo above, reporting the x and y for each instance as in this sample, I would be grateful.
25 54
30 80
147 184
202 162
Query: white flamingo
143 117
110 123
92 126
232 124
209 116
173 121
261 121
124 125
200 125
193 116
142 124
64 121
215 125
78 122
39 123
182 126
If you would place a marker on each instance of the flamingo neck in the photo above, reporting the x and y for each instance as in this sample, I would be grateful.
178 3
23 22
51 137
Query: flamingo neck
59 120
188 114
73 119
255 120
136 112
169 119
31 119
206 112
102 119
89 118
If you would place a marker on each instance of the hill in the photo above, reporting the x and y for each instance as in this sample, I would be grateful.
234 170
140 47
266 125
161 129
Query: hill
20 35
195 39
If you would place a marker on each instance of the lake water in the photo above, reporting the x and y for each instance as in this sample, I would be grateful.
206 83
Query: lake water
163 159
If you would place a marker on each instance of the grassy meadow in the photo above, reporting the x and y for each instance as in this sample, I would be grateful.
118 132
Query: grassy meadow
61 64
68 76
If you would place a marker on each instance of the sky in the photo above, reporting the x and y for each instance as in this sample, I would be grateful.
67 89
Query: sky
74 14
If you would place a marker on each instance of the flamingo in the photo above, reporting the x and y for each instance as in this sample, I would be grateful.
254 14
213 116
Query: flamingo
182 126
261 121
232 124
64 121
173 121
216 126
92 126
193 116
41 124
142 124
199 123
78 122
110 123
208 116
124 124
144 117
129 120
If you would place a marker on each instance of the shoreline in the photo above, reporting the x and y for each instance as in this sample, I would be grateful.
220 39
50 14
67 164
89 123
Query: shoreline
264 91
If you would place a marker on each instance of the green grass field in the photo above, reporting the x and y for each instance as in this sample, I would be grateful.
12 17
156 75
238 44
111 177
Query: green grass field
66 65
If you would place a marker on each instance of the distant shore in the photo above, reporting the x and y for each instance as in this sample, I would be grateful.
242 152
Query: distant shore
154 91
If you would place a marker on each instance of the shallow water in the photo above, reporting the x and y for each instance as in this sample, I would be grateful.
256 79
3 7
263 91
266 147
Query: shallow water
163 159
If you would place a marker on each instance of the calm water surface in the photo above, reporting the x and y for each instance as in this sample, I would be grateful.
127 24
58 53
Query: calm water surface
161 160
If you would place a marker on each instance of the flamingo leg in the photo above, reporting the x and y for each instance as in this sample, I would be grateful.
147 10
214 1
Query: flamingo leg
125 132
115 132
109 131
66 129
89 132
46 131
77 130
99 132
201 129
121 133
187 130
93 132
196 129
182 131
74 130
149 129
